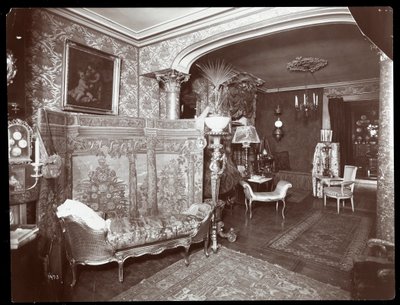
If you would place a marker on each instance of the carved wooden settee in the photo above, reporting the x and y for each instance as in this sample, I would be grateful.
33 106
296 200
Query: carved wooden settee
141 173
91 240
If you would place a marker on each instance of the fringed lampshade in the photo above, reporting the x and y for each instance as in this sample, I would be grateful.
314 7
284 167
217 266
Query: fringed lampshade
246 135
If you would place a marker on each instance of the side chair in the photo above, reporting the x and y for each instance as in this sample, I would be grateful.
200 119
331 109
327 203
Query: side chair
342 188
279 194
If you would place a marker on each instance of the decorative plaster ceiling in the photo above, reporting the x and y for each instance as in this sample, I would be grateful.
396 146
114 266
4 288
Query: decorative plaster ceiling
350 54
147 24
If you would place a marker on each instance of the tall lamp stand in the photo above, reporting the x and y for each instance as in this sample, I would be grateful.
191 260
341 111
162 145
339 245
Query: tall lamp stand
217 167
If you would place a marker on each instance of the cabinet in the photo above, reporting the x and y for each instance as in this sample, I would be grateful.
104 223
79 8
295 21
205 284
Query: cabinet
365 125
25 279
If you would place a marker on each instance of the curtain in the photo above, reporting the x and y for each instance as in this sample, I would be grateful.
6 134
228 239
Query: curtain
340 115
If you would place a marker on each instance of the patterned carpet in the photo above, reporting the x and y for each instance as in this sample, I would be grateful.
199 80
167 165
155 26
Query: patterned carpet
296 195
328 238
229 275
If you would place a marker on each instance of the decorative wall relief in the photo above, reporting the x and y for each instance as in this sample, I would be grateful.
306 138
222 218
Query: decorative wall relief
306 64
352 89
44 57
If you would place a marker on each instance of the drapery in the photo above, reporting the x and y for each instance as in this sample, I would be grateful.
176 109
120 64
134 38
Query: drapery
340 115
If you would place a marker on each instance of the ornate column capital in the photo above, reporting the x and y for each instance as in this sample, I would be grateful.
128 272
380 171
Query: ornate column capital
172 79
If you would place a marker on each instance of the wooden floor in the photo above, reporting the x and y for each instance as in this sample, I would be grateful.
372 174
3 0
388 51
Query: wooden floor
100 283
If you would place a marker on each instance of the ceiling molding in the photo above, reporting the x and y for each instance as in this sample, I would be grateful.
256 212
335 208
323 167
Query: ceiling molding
163 31
327 85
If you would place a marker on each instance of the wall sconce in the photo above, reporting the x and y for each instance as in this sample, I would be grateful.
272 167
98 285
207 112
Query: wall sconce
278 132
20 138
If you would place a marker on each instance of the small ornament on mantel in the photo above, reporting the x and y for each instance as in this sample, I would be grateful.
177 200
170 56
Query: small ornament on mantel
326 135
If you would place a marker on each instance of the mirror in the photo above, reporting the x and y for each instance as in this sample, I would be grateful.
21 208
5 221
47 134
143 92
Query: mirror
19 142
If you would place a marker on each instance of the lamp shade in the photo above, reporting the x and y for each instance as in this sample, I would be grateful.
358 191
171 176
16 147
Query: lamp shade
245 135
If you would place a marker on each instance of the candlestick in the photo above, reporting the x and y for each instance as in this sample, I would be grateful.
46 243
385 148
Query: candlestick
296 101
37 148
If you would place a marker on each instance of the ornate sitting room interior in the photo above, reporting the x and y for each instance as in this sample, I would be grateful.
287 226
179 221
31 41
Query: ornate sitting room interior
200 153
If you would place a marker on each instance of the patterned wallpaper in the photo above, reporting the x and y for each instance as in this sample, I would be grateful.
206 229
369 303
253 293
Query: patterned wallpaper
139 96
300 135
44 61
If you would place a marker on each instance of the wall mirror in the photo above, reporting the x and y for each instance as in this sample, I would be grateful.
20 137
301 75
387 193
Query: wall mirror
19 142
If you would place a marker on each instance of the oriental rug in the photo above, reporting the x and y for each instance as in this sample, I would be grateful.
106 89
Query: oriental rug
229 275
296 195
328 238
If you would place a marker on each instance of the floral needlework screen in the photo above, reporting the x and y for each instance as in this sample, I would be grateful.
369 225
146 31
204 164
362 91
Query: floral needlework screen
102 183
172 183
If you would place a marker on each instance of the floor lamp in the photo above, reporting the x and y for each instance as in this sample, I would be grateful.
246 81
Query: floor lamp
246 135
217 165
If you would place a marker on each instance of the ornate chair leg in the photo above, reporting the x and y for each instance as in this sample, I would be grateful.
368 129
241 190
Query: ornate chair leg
324 200
276 206
187 255
338 205
247 207
283 209
73 269
251 214
206 241
352 203
121 271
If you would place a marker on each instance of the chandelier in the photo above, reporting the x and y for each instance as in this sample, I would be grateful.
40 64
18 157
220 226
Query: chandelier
307 104
308 101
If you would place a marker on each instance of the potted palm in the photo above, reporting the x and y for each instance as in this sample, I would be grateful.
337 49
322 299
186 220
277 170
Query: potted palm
218 74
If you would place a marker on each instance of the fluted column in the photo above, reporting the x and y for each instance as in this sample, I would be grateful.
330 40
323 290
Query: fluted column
385 183
326 119
172 81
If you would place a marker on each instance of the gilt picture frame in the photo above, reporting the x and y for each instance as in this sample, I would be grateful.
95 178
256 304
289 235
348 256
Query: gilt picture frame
90 80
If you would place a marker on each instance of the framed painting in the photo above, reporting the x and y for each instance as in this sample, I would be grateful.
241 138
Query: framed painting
16 178
90 80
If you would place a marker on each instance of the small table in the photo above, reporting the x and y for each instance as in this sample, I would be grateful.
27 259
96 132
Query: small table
261 184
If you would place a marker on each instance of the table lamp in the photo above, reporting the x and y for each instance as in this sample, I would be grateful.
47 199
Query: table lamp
246 135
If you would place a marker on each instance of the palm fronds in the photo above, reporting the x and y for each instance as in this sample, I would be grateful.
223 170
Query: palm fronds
217 72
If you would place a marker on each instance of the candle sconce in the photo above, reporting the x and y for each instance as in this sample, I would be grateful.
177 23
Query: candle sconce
20 138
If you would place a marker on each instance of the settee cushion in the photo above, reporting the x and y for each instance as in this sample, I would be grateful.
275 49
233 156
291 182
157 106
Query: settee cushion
125 233
83 212
200 210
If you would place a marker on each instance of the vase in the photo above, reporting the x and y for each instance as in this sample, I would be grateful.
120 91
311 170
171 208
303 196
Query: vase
217 123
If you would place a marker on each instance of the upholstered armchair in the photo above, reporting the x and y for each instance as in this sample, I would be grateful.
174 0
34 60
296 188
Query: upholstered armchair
91 240
373 275
279 194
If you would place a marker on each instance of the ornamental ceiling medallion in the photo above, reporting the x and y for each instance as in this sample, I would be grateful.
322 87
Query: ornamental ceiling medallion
306 64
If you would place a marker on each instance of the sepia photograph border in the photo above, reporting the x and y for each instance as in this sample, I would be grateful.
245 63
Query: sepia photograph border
77 58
